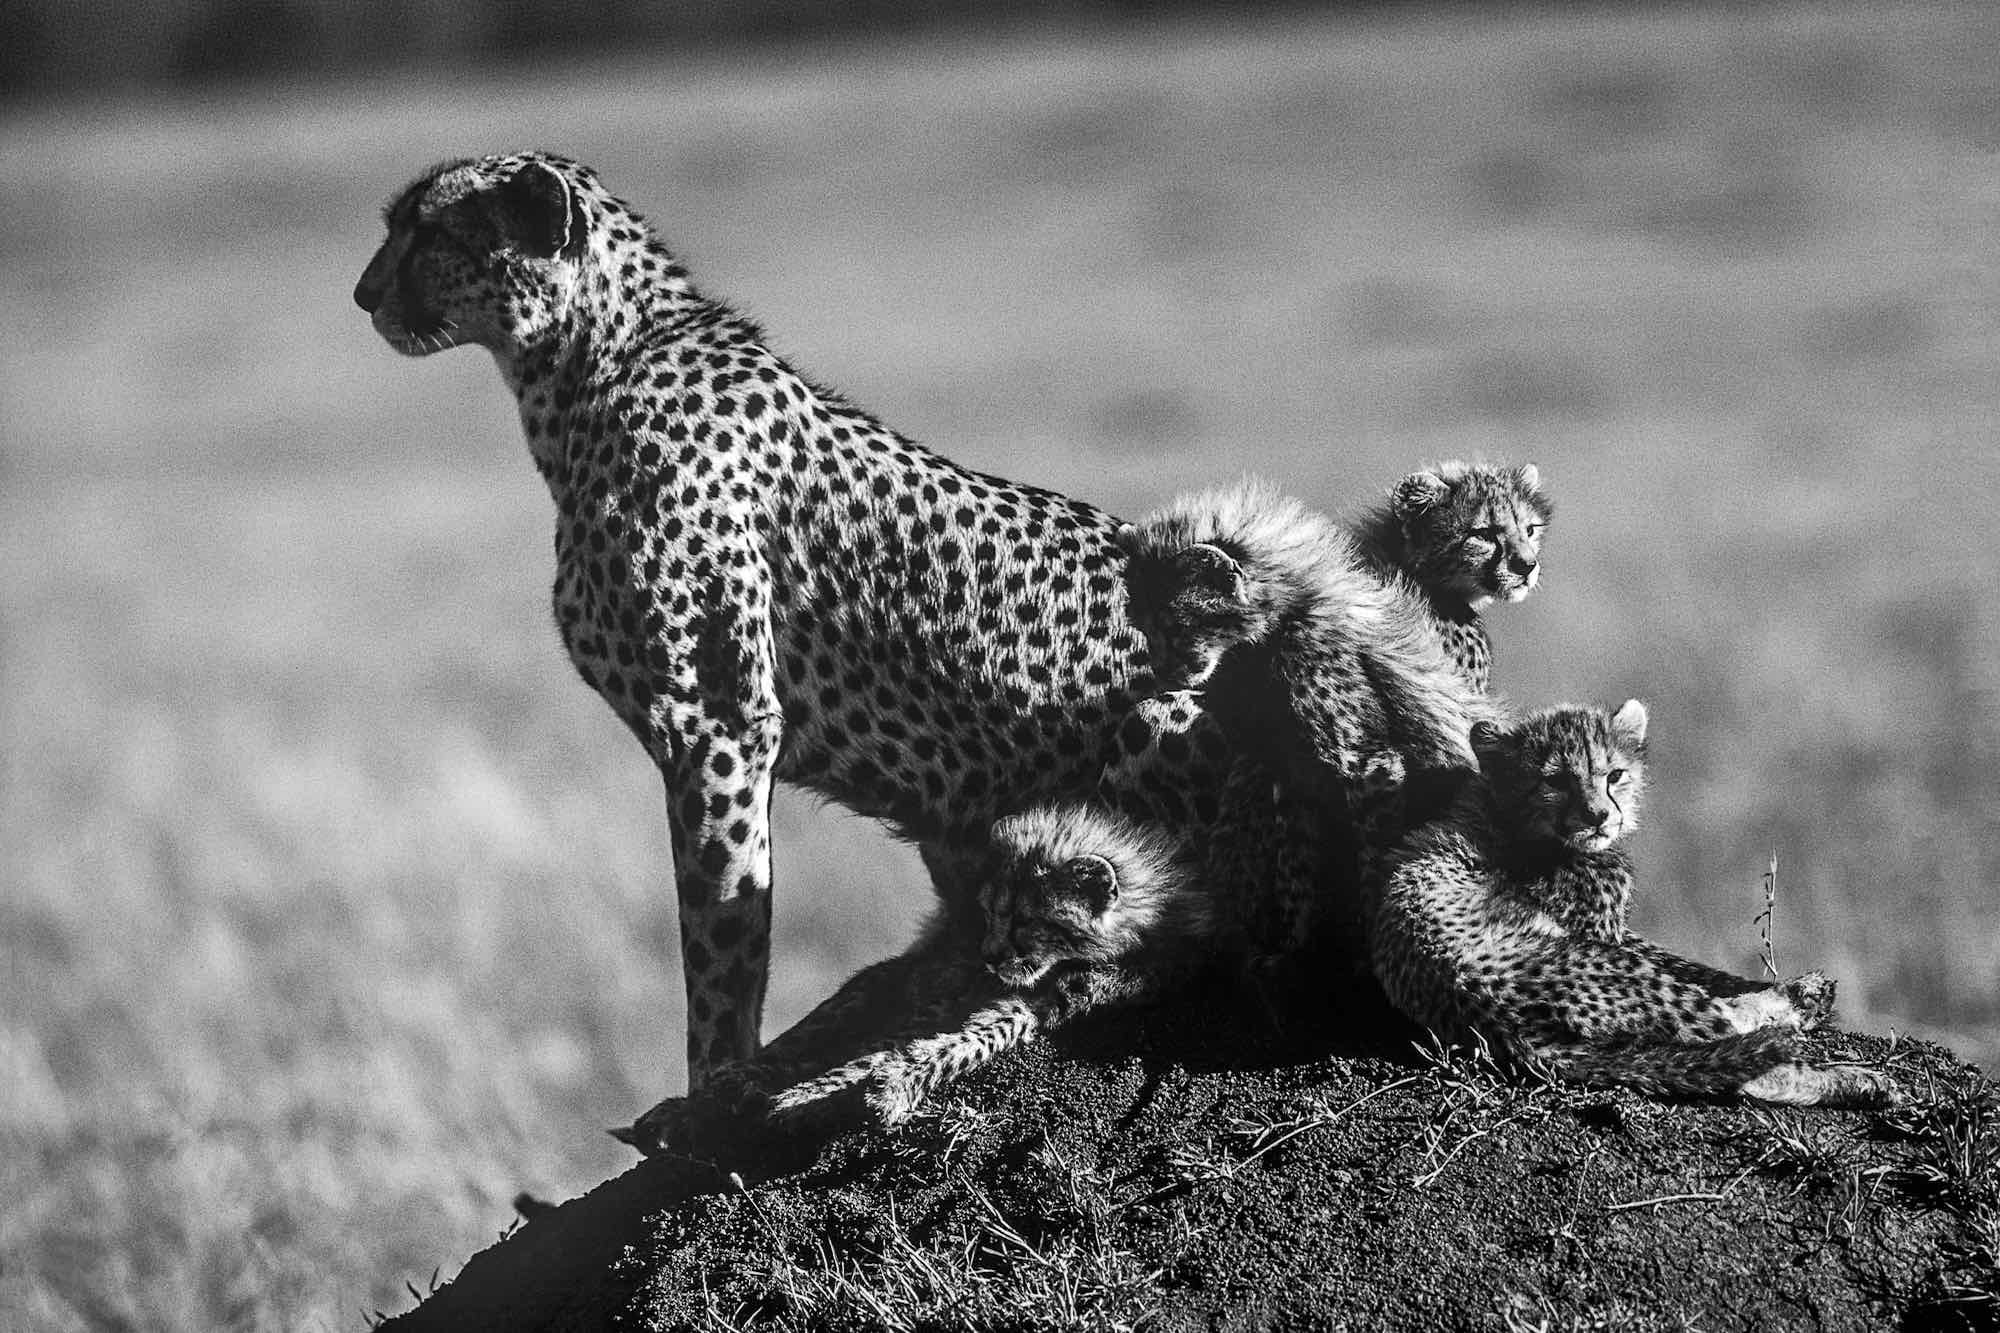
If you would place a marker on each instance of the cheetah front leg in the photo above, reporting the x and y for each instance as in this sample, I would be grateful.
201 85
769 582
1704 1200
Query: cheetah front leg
718 811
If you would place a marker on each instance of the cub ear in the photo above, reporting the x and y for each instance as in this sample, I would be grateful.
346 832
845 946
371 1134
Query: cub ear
1417 493
1530 478
1126 538
536 208
1097 878
1210 571
1488 741
1629 722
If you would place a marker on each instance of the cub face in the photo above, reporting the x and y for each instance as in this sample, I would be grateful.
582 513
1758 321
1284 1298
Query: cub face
1568 775
486 252
1474 531
1042 913
1192 604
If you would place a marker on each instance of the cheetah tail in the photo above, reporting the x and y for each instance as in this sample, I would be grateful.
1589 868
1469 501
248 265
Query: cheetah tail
1717 1068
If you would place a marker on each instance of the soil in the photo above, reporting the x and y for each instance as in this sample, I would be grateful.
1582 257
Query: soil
1203 1166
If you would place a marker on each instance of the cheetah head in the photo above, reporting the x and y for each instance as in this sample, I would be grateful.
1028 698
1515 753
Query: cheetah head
1474 531
1072 883
1192 604
1569 775
487 252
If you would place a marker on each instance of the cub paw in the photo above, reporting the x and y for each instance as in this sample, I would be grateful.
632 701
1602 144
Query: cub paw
1811 995
1802 1003
894 1093
1861 1087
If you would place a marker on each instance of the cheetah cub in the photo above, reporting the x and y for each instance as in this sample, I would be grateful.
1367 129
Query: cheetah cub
1237 587
1467 535
1082 909
1507 915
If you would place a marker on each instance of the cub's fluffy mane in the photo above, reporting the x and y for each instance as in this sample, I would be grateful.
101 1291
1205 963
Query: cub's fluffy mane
1310 577
1157 890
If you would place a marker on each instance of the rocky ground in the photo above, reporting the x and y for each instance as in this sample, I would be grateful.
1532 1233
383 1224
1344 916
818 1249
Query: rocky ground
1203 1166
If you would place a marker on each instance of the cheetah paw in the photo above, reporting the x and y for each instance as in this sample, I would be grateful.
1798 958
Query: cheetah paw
1802 1003
665 1128
731 1097
894 1094
1811 995
1832 1086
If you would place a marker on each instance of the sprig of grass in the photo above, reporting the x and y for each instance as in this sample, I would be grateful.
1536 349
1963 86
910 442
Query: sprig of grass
1767 951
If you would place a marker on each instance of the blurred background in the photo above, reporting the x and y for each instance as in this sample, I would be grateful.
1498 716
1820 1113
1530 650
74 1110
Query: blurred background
336 909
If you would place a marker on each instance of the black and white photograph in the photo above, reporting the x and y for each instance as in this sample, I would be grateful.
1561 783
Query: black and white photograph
1116 665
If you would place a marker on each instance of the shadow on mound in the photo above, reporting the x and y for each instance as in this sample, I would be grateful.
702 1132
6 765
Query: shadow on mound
1202 1165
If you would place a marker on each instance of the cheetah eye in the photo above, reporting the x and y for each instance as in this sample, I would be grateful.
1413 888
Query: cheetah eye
1615 776
1535 530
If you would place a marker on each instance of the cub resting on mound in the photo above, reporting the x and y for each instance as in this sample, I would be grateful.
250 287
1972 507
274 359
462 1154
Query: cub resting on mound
1507 912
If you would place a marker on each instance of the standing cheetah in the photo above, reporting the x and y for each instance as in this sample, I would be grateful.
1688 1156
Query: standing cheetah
761 580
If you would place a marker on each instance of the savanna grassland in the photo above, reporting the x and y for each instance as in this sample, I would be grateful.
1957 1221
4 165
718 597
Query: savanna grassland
336 910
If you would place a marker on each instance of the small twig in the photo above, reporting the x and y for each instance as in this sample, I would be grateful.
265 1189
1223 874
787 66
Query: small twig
1664 1198
1323 1120
1767 951
1724 1193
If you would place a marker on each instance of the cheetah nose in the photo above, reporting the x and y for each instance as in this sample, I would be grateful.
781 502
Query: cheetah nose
1521 565
367 295
1597 818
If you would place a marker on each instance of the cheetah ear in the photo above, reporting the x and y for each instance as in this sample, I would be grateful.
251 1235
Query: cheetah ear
1210 571
1098 879
1628 724
1487 742
537 208
1530 478
1416 493
1127 539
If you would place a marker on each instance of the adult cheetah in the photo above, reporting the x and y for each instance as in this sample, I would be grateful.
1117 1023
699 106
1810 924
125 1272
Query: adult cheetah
759 578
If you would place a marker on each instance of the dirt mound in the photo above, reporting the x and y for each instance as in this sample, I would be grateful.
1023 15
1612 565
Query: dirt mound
1201 1166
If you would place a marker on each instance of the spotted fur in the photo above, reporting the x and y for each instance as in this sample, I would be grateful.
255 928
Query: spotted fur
1082 909
1233 586
1507 916
1326 675
1467 535
1566 782
760 579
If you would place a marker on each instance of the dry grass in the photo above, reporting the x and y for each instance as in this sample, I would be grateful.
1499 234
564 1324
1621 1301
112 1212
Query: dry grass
336 910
